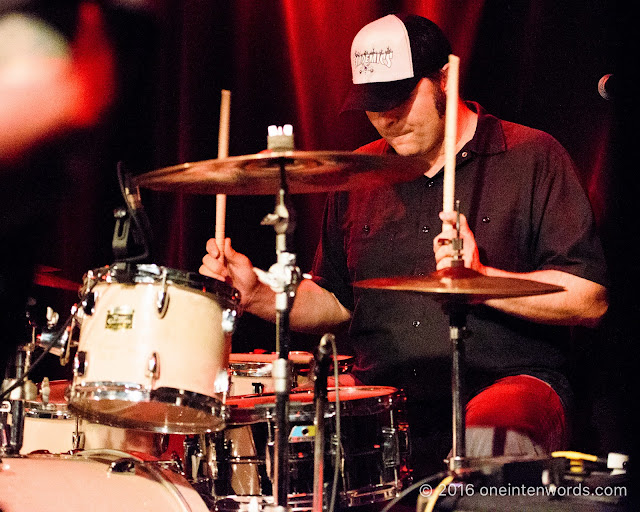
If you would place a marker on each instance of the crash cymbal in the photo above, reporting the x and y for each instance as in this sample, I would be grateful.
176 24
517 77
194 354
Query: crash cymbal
43 276
307 172
462 284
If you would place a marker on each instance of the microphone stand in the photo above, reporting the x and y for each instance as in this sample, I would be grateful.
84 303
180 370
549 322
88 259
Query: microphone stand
321 371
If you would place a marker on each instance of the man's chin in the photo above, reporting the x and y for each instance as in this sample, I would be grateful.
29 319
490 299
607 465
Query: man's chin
405 149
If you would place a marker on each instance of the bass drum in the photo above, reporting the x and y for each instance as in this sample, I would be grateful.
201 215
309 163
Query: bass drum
373 449
154 349
96 480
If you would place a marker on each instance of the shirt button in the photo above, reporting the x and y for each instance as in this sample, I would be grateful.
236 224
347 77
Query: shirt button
366 228
425 229
430 183
486 219
465 154
421 274
416 323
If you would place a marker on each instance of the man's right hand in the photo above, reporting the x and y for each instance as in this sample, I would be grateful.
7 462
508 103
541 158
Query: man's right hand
315 310
232 267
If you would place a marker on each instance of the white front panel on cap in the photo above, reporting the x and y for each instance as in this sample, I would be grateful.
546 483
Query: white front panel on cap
381 52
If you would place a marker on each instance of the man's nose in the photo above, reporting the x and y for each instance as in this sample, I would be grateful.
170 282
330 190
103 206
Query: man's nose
387 117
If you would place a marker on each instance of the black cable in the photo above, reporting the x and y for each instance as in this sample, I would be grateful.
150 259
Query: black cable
413 487
338 455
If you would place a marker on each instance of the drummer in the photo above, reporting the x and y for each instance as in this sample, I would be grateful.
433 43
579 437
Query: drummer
524 215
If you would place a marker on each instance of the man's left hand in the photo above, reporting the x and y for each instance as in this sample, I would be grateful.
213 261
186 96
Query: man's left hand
443 249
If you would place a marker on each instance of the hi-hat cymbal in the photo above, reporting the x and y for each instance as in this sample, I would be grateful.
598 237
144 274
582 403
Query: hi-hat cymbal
307 172
461 284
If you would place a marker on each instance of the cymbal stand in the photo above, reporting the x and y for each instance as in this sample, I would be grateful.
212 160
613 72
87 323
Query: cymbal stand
283 277
457 312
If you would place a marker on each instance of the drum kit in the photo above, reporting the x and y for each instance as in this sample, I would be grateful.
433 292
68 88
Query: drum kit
154 355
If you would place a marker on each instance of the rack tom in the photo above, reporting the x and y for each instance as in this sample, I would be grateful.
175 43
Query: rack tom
154 346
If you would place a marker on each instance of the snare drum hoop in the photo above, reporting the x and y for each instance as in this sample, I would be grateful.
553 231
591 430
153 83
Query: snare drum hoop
49 411
149 273
376 399
250 369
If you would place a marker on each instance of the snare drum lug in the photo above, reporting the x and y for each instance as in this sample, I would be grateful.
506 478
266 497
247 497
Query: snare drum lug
88 303
153 366
80 363
221 384
123 465
229 317
390 448
78 440
162 301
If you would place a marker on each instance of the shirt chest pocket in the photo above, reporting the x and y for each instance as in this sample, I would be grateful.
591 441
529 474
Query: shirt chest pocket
374 225
370 252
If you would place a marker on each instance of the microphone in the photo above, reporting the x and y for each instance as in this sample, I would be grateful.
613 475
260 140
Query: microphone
607 87
322 357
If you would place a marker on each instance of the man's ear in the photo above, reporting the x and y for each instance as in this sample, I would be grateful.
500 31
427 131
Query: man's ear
443 76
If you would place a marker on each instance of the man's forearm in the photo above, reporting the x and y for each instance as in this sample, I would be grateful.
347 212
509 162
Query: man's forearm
582 303
315 310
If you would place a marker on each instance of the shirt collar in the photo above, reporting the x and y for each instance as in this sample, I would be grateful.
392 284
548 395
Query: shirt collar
489 138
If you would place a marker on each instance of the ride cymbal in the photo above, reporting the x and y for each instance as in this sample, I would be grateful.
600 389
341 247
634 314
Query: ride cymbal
307 172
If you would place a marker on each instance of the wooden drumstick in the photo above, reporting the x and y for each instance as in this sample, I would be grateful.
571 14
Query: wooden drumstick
223 152
450 135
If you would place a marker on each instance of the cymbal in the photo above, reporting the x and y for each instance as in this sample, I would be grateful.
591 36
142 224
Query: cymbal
462 284
43 277
307 172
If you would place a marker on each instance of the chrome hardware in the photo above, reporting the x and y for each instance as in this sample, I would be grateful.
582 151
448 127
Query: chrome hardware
45 390
221 384
123 466
78 437
390 448
88 303
229 317
80 363
162 301
153 366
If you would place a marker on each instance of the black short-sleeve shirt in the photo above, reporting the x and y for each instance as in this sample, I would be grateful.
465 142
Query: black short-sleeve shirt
528 211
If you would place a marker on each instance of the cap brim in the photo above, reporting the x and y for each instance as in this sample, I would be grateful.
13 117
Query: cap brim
379 96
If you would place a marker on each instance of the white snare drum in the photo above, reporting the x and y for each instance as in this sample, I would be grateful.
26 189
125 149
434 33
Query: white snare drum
373 449
49 426
100 481
251 372
154 349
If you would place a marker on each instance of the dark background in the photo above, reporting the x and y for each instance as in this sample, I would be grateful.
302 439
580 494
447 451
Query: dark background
535 62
